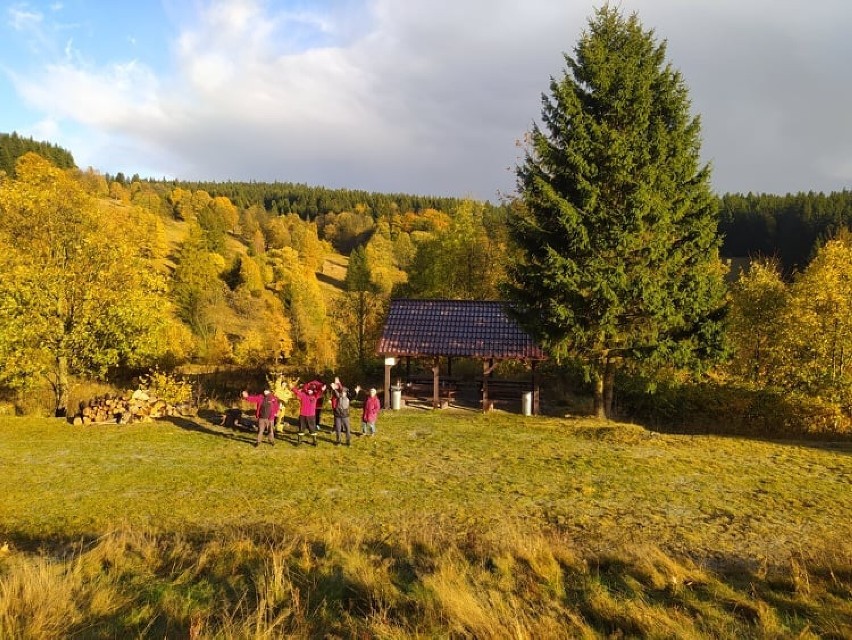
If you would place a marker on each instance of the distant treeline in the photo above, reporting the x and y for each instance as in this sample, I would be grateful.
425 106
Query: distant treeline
308 202
13 146
788 228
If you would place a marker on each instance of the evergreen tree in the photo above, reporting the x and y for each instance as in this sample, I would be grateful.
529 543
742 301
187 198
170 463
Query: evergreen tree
361 289
615 218
12 147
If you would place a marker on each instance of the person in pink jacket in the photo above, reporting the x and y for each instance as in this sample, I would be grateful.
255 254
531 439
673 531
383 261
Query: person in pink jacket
370 413
267 409
307 396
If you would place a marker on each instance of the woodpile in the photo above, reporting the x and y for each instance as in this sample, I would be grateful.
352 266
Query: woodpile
138 407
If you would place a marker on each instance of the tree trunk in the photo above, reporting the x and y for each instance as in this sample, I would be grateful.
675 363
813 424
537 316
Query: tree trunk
362 322
60 388
600 408
609 388
604 380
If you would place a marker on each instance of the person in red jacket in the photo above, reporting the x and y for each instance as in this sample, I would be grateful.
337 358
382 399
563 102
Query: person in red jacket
267 409
319 387
307 408
370 414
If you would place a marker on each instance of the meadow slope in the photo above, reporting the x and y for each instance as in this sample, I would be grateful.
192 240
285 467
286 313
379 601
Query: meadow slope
611 496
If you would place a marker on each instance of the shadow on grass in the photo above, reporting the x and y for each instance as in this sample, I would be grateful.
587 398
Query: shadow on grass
198 427
210 423
327 279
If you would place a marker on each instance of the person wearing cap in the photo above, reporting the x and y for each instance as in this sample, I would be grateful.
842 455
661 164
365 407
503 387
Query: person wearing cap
267 409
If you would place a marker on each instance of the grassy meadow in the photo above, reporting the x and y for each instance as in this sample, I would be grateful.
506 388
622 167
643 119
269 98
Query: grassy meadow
446 524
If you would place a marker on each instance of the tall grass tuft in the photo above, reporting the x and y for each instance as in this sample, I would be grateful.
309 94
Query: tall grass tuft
337 583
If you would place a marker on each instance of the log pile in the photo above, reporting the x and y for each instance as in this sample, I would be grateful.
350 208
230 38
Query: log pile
137 407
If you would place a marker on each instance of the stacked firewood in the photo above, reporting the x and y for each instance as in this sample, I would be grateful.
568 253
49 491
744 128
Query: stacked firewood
138 407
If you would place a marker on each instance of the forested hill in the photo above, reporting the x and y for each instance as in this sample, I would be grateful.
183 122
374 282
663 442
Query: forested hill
788 228
13 146
309 201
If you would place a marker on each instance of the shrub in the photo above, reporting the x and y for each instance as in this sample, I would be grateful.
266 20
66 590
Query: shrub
168 387
735 410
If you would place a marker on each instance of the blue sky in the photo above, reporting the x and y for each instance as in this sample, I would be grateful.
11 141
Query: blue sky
414 96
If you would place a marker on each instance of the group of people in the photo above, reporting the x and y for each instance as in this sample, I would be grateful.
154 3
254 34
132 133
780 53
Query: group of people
310 397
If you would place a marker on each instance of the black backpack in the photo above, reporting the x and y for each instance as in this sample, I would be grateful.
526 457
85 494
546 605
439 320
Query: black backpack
343 403
266 407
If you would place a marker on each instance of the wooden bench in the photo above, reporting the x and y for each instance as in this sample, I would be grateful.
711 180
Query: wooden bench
506 389
424 388
505 392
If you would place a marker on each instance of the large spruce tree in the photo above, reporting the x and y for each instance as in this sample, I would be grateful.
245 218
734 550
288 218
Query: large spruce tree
615 216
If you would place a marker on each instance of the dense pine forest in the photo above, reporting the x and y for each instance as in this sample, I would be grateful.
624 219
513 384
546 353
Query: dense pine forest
13 146
786 228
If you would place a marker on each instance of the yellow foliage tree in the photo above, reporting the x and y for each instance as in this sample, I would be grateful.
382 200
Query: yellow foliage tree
226 210
818 336
759 300
381 264
797 337
76 296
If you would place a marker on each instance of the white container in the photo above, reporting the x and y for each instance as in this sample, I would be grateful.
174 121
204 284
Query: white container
396 398
526 403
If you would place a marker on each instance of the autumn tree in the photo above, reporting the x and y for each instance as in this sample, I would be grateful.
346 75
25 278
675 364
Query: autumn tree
817 339
295 281
196 286
465 260
759 302
225 211
797 336
614 216
271 340
380 261
76 296
313 333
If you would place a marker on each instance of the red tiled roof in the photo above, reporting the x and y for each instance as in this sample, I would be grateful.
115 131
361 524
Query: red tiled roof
462 328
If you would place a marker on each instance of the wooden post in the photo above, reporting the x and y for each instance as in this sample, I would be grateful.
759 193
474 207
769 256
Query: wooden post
436 368
535 406
487 368
388 368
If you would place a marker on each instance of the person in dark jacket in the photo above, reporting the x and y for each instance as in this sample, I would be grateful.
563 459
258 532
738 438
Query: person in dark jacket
341 411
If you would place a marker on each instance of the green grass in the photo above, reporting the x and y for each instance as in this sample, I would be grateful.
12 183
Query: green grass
446 523
464 469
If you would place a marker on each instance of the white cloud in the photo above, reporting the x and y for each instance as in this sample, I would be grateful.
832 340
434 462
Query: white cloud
429 97
23 19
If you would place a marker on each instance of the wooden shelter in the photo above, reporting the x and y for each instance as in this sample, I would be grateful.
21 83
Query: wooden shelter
432 329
